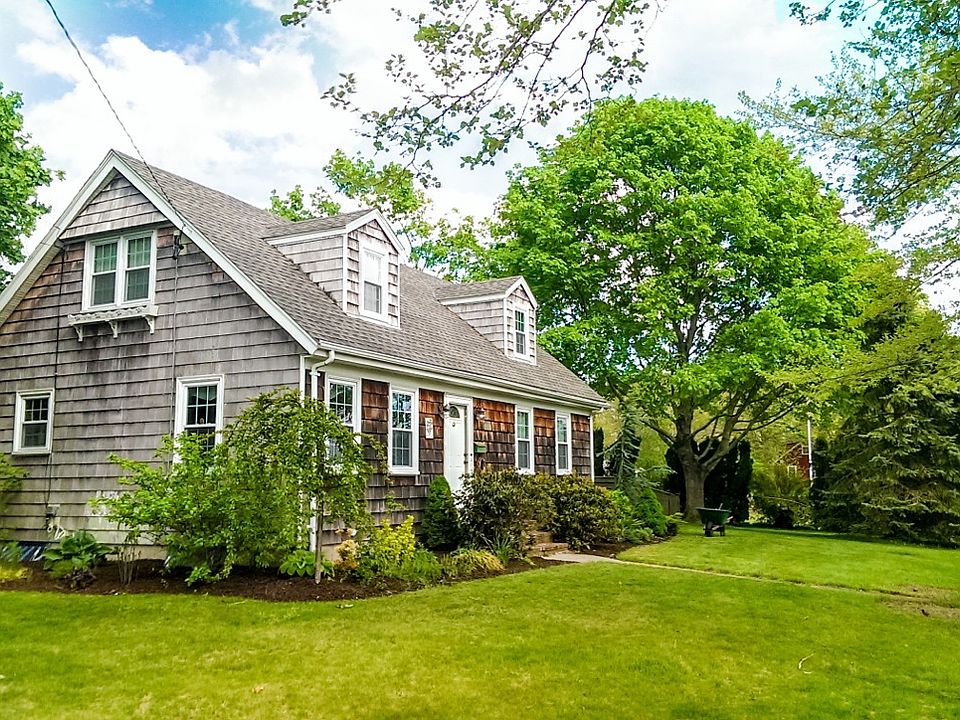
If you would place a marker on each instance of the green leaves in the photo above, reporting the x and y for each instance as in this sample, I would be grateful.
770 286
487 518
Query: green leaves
483 72
687 263
887 119
22 172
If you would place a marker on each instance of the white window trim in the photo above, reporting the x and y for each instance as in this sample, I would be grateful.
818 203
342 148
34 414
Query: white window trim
22 396
510 309
569 443
384 314
121 272
413 469
355 384
183 383
516 439
517 335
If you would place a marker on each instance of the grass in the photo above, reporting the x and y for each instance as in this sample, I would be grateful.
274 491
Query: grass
813 558
604 641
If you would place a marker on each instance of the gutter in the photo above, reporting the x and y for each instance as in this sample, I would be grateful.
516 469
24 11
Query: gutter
385 362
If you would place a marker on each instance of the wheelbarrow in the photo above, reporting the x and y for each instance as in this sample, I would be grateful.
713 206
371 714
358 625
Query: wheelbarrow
714 519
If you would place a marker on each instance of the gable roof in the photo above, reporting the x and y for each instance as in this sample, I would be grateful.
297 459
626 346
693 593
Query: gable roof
455 293
336 223
433 337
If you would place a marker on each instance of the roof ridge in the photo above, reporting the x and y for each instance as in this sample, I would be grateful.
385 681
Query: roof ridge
180 178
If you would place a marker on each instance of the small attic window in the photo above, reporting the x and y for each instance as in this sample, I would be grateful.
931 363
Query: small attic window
520 330
373 280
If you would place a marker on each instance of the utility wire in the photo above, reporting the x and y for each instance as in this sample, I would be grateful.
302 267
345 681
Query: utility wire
107 100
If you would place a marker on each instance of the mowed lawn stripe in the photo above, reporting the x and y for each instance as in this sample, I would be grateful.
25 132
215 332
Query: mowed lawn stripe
572 641
809 557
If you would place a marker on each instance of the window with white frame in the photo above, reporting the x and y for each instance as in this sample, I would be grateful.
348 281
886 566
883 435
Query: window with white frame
403 435
200 407
33 422
520 331
524 432
342 401
119 270
563 444
373 281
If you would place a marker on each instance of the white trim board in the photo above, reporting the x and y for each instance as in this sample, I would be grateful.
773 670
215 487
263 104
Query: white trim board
387 364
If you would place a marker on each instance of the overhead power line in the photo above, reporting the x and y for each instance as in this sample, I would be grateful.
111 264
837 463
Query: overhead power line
106 99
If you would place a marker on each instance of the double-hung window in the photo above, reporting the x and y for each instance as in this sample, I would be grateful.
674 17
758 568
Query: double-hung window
200 408
520 331
524 440
403 431
119 271
563 444
342 400
373 281
33 422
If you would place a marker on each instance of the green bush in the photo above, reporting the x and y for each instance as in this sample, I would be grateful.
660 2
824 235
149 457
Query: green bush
302 563
76 557
497 505
383 551
441 522
583 512
469 561
422 567
249 498
649 512
781 497
11 480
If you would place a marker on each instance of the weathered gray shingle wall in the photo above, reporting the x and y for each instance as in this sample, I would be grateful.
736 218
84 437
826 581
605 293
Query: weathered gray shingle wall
117 394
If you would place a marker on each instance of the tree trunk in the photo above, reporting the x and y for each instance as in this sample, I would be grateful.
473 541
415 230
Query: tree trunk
318 557
694 479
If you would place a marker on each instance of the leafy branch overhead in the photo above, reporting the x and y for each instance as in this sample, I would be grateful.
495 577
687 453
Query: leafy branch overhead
483 71
887 118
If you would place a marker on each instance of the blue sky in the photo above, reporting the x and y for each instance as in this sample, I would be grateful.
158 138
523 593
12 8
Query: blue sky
222 93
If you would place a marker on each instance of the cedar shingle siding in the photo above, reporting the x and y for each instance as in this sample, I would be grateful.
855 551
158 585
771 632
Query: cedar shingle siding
496 431
431 450
581 461
116 395
545 441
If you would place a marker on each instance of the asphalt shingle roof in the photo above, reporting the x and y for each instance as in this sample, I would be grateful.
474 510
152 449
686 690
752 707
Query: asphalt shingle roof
284 228
431 334
456 291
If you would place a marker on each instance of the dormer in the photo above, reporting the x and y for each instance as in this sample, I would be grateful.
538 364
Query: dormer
503 310
355 257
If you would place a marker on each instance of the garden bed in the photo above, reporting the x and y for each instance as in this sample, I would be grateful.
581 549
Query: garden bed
250 583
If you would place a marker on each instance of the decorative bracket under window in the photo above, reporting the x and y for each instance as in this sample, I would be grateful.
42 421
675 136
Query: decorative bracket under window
112 317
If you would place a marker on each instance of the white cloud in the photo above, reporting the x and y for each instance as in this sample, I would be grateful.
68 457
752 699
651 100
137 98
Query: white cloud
250 119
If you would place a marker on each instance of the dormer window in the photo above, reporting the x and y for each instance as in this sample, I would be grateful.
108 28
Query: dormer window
373 281
520 329
119 271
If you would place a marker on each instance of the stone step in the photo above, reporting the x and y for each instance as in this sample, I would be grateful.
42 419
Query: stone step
537 537
546 548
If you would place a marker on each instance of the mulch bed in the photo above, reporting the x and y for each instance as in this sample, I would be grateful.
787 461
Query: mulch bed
150 577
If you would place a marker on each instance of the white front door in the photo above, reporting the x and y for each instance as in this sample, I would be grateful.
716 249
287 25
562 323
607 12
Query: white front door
455 446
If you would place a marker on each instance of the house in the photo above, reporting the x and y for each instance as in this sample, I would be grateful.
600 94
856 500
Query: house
156 305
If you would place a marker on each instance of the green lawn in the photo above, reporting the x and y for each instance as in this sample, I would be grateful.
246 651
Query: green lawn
604 641
816 558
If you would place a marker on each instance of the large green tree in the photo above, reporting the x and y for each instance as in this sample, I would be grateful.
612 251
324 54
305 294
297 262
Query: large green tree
22 171
887 119
687 264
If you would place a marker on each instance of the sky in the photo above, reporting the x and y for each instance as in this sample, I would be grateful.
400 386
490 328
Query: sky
221 93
